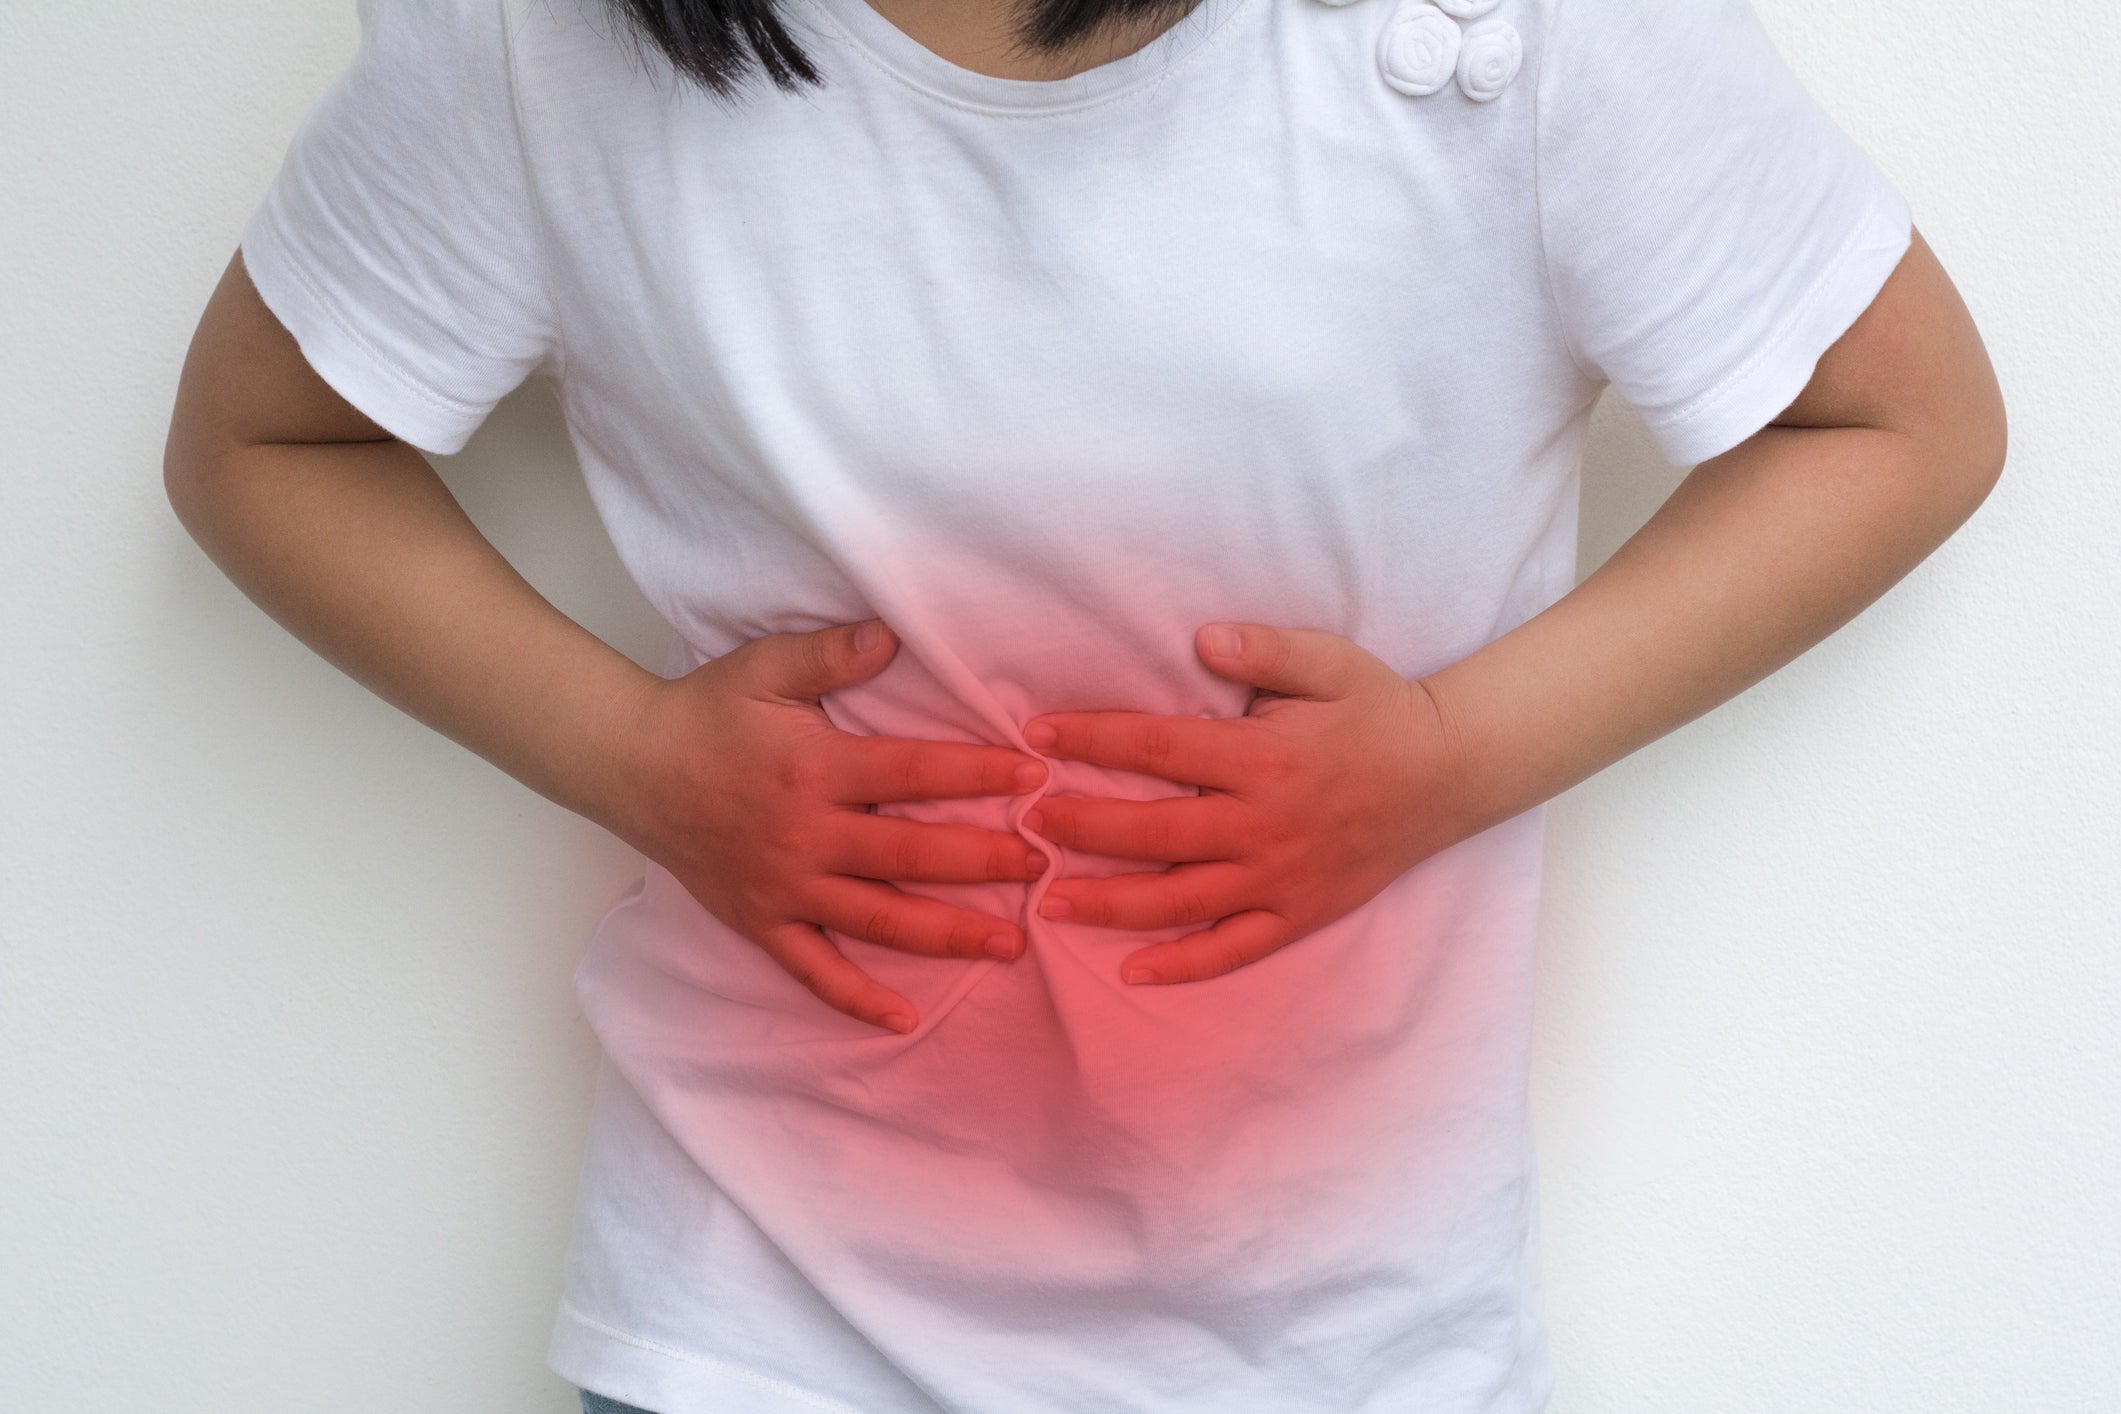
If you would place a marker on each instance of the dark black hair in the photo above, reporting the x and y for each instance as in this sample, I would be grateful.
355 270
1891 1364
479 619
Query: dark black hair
720 44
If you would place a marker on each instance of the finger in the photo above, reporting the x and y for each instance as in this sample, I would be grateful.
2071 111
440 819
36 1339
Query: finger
802 667
1182 830
892 918
1198 751
1190 893
869 770
1236 941
807 955
884 847
1296 662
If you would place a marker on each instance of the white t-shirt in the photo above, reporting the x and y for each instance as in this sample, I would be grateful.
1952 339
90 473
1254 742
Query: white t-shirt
1284 318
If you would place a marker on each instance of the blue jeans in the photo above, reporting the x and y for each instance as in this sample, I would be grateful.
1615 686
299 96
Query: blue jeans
593 1403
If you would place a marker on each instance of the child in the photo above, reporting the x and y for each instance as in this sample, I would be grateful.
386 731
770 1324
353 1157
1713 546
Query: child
1209 392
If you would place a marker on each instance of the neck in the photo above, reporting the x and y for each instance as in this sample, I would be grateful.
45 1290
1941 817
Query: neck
1002 39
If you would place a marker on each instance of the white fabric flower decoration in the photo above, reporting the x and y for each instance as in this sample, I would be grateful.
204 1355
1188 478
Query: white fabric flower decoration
1488 58
1464 9
1418 50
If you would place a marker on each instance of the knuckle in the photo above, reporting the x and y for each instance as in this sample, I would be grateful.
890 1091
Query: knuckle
810 977
821 654
1288 865
781 839
908 856
883 926
1156 745
1277 762
751 906
1193 907
1274 833
912 772
798 774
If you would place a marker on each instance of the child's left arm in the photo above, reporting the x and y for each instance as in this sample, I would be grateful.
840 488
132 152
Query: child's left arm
1324 794
1759 554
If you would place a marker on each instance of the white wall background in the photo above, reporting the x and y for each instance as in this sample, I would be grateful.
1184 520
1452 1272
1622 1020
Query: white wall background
292 1086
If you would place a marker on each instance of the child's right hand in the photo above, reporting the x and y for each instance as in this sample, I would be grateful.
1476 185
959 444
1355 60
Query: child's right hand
741 787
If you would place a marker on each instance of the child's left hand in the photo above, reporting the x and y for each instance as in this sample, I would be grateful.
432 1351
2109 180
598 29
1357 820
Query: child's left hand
1326 791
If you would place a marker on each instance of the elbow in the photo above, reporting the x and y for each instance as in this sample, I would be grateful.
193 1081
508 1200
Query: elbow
1977 442
1962 430
1961 466
183 474
1997 446
185 446
179 476
195 470
1977 422
1916 363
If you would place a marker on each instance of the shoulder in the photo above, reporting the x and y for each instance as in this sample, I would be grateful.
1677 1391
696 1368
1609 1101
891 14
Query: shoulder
502 62
439 18
1638 48
435 42
476 41
1648 48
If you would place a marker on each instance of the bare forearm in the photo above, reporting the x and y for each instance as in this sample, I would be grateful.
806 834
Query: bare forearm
1758 555
359 550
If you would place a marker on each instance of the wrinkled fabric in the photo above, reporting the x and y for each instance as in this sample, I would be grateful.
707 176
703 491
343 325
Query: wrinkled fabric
1048 375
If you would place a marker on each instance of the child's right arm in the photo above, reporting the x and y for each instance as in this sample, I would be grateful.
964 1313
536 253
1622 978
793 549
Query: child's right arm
731 777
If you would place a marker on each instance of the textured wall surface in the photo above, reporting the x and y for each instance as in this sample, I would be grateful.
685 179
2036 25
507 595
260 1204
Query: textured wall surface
292 1085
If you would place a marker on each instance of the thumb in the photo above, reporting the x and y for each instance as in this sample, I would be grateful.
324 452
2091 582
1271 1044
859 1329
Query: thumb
806 666
1295 662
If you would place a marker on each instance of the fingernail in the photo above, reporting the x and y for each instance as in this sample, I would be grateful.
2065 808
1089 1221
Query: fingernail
898 1021
1001 945
1035 862
1034 820
1222 641
1039 734
868 635
1030 775
1139 974
1053 906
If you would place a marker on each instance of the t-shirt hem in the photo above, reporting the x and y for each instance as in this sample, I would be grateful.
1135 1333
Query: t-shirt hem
1776 373
595 1356
389 396
592 1355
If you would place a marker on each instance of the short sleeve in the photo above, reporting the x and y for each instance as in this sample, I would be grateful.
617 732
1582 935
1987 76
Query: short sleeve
1709 231
399 242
